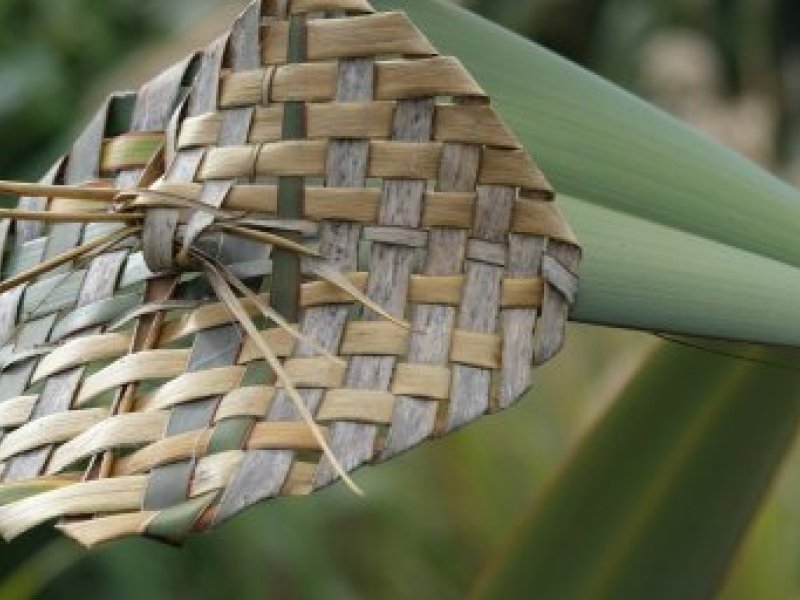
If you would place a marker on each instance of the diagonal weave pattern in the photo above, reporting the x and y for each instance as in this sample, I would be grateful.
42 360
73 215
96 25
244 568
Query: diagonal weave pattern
132 401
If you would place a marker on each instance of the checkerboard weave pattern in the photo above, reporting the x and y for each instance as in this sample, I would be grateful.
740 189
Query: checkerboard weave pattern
132 401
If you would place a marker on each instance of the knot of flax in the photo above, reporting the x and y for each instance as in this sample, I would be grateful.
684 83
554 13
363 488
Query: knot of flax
168 228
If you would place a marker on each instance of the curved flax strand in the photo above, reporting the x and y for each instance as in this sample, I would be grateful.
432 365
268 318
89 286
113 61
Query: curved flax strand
273 315
334 277
227 296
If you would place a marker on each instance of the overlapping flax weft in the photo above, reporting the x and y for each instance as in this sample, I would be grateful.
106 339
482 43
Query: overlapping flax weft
316 246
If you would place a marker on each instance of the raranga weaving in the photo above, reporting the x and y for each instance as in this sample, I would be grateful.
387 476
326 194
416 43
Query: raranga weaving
311 246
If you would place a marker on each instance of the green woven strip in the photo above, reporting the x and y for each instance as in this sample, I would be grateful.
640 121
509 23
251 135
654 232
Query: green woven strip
229 434
286 265
174 524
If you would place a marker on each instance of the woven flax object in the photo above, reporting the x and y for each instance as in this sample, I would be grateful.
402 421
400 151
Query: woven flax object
313 245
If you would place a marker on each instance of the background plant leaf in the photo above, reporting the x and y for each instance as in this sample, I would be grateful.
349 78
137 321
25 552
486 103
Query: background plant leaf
680 233
657 497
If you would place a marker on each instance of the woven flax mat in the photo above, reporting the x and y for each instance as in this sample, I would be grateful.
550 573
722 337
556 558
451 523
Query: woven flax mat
313 246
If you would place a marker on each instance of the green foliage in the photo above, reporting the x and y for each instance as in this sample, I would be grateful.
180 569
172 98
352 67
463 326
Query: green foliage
680 235
655 500
48 52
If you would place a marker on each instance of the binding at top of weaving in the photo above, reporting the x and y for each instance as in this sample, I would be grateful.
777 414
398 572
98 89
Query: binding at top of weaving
314 246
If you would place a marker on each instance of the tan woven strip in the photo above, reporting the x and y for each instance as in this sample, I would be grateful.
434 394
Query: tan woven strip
300 480
522 292
477 124
422 380
449 209
285 158
50 429
213 473
205 317
472 124
249 90
442 209
477 349
141 366
378 338
352 37
315 372
265 435
118 431
82 351
292 157
353 120
440 76
405 160
229 162
382 33
542 218
244 88
192 386
259 198
512 168
203 130
277 435
16 411
281 342
275 42
267 124
436 289
342 204
320 293
388 159
361 406
251 401
101 496
91 532
243 197
162 452
309 82
316 82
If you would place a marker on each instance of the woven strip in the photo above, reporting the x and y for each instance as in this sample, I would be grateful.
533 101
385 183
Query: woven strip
132 399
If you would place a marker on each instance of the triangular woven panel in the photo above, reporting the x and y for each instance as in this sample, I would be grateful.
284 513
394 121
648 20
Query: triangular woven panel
134 403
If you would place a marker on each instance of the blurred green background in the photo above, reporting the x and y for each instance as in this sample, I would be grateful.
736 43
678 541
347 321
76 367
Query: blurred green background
432 519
